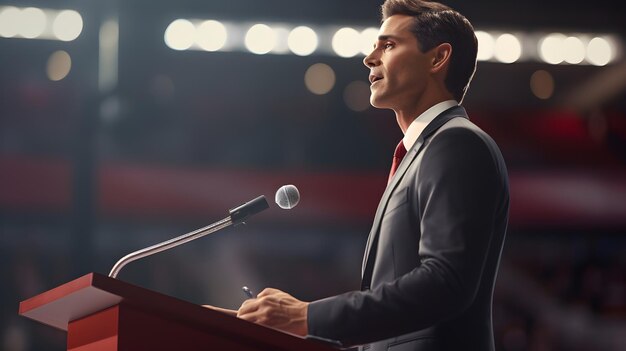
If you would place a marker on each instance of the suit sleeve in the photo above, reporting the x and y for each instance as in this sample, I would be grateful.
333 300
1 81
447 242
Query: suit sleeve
458 190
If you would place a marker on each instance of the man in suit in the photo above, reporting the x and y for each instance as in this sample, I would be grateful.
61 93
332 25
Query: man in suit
433 252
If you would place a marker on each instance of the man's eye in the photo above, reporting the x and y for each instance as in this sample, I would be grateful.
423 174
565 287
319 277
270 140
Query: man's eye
388 45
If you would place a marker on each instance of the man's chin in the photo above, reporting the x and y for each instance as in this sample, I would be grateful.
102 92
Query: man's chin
376 102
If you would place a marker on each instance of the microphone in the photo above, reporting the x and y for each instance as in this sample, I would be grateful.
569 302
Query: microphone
237 215
242 213
287 197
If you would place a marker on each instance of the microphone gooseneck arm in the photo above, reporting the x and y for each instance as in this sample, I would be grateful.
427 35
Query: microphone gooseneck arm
237 215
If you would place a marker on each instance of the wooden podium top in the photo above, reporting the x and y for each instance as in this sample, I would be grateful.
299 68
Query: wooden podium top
95 292
79 298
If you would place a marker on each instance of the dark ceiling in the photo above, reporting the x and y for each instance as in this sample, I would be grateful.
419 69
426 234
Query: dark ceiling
530 14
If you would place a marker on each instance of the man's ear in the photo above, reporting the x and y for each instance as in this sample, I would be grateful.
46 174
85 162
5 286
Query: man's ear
441 58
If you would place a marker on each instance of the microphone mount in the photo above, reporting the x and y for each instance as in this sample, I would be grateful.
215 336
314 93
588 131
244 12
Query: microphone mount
237 216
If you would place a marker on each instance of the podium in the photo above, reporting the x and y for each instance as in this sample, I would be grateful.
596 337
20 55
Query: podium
105 314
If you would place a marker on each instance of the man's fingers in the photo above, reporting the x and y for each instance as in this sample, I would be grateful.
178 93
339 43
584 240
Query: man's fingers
264 316
259 308
253 317
252 305
276 309
269 291
249 306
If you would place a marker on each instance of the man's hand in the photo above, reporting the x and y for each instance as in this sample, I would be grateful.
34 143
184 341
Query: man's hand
276 309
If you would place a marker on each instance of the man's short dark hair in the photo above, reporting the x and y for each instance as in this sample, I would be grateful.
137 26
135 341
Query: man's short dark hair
434 24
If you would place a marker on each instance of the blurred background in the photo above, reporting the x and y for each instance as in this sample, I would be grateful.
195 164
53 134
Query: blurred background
125 123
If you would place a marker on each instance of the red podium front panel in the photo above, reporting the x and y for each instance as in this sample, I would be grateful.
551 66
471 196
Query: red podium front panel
105 314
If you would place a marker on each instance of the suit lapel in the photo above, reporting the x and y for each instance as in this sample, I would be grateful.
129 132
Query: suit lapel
370 249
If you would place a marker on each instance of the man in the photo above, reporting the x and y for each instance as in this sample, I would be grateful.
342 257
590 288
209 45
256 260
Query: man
433 251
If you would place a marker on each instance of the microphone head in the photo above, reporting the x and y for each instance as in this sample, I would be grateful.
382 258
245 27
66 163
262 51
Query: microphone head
287 197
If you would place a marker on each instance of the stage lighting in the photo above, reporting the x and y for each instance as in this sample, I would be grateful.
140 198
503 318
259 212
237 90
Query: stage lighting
346 42
574 50
260 39
508 48
551 48
59 65
485 46
319 78
9 21
211 35
289 38
368 39
542 84
281 35
599 51
67 25
180 34
302 41
32 22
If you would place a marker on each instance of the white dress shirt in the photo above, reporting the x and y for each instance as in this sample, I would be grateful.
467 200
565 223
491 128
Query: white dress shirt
421 122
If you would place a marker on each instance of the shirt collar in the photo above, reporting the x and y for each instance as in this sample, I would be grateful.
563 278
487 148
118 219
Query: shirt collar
419 124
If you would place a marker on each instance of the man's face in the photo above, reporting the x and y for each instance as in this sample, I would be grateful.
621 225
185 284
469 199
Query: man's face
398 69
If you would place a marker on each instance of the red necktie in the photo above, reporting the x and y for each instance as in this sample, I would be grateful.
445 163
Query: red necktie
398 155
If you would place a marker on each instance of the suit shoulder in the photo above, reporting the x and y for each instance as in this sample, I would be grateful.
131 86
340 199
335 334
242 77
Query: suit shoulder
463 147
462 133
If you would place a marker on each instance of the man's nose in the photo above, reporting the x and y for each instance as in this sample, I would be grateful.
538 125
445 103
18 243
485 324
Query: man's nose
372 59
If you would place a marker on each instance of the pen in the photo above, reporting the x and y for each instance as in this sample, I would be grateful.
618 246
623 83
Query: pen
248 292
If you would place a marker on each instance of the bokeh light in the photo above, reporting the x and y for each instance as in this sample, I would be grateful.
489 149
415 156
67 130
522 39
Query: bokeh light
319 78
59 65
574 50
32 22
542 84
508 48
180 34
281 33
68 25
368 39
599 51
260 39
302 41
9 21
211 35
486 46
551 48
347 42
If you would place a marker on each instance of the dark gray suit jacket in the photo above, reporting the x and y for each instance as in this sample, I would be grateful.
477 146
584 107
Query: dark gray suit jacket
433 252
